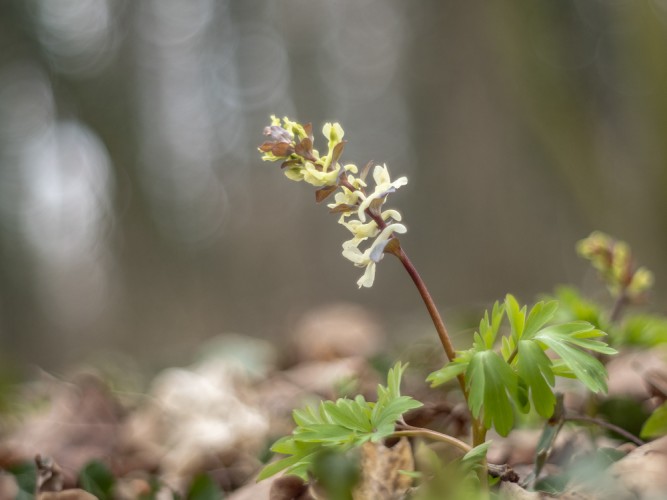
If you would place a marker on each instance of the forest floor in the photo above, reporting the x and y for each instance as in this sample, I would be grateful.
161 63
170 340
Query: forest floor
204 431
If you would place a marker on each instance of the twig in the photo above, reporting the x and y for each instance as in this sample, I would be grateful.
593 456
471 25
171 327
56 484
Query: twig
607 425
618 306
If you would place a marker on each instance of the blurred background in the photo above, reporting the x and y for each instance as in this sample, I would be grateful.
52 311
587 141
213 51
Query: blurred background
137 217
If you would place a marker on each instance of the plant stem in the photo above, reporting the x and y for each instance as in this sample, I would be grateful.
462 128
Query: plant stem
478 427
439 324
430 304
410 431
478 432
394 247
513 355
479 437
606 425
617 309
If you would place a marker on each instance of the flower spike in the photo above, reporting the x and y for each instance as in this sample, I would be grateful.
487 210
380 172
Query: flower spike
292 143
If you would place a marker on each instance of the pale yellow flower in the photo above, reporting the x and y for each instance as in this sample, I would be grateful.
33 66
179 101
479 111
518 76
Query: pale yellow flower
334 132
347 196
319 178
383 186
372 255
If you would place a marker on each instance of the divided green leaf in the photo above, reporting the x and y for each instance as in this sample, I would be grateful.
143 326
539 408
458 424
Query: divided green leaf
568 340
539 315
521 375
492 384
535 368
448 372
340 425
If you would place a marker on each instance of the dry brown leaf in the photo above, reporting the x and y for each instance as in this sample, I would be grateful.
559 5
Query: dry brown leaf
80 423
49 474
254 491
515 492
642 473
380 471
203 418
337 331
290 488
628 372
322 376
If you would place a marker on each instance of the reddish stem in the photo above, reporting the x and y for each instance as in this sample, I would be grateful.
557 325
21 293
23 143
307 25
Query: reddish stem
398 251
439 324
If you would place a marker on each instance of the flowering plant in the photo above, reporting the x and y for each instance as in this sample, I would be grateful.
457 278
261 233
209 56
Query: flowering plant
495 381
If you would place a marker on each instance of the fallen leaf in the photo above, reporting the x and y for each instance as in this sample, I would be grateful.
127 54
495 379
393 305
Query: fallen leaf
381 468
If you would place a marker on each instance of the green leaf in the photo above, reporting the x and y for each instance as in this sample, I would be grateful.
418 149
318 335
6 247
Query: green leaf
645 330
539 316
491 382
390 404
516 315
522 400
488 330
579 333
414 474
584 366
497 316
446 373
350 414
507 347
394 379
477 454
560 369
340 425
285 445
336 473
385 419
203 487
97 479
293 463
25 474
534 368
656 425
324 433
305 417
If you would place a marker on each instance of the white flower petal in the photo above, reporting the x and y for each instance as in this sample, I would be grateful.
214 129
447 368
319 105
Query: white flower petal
381 175
368 277
394 214
376 249
354 255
